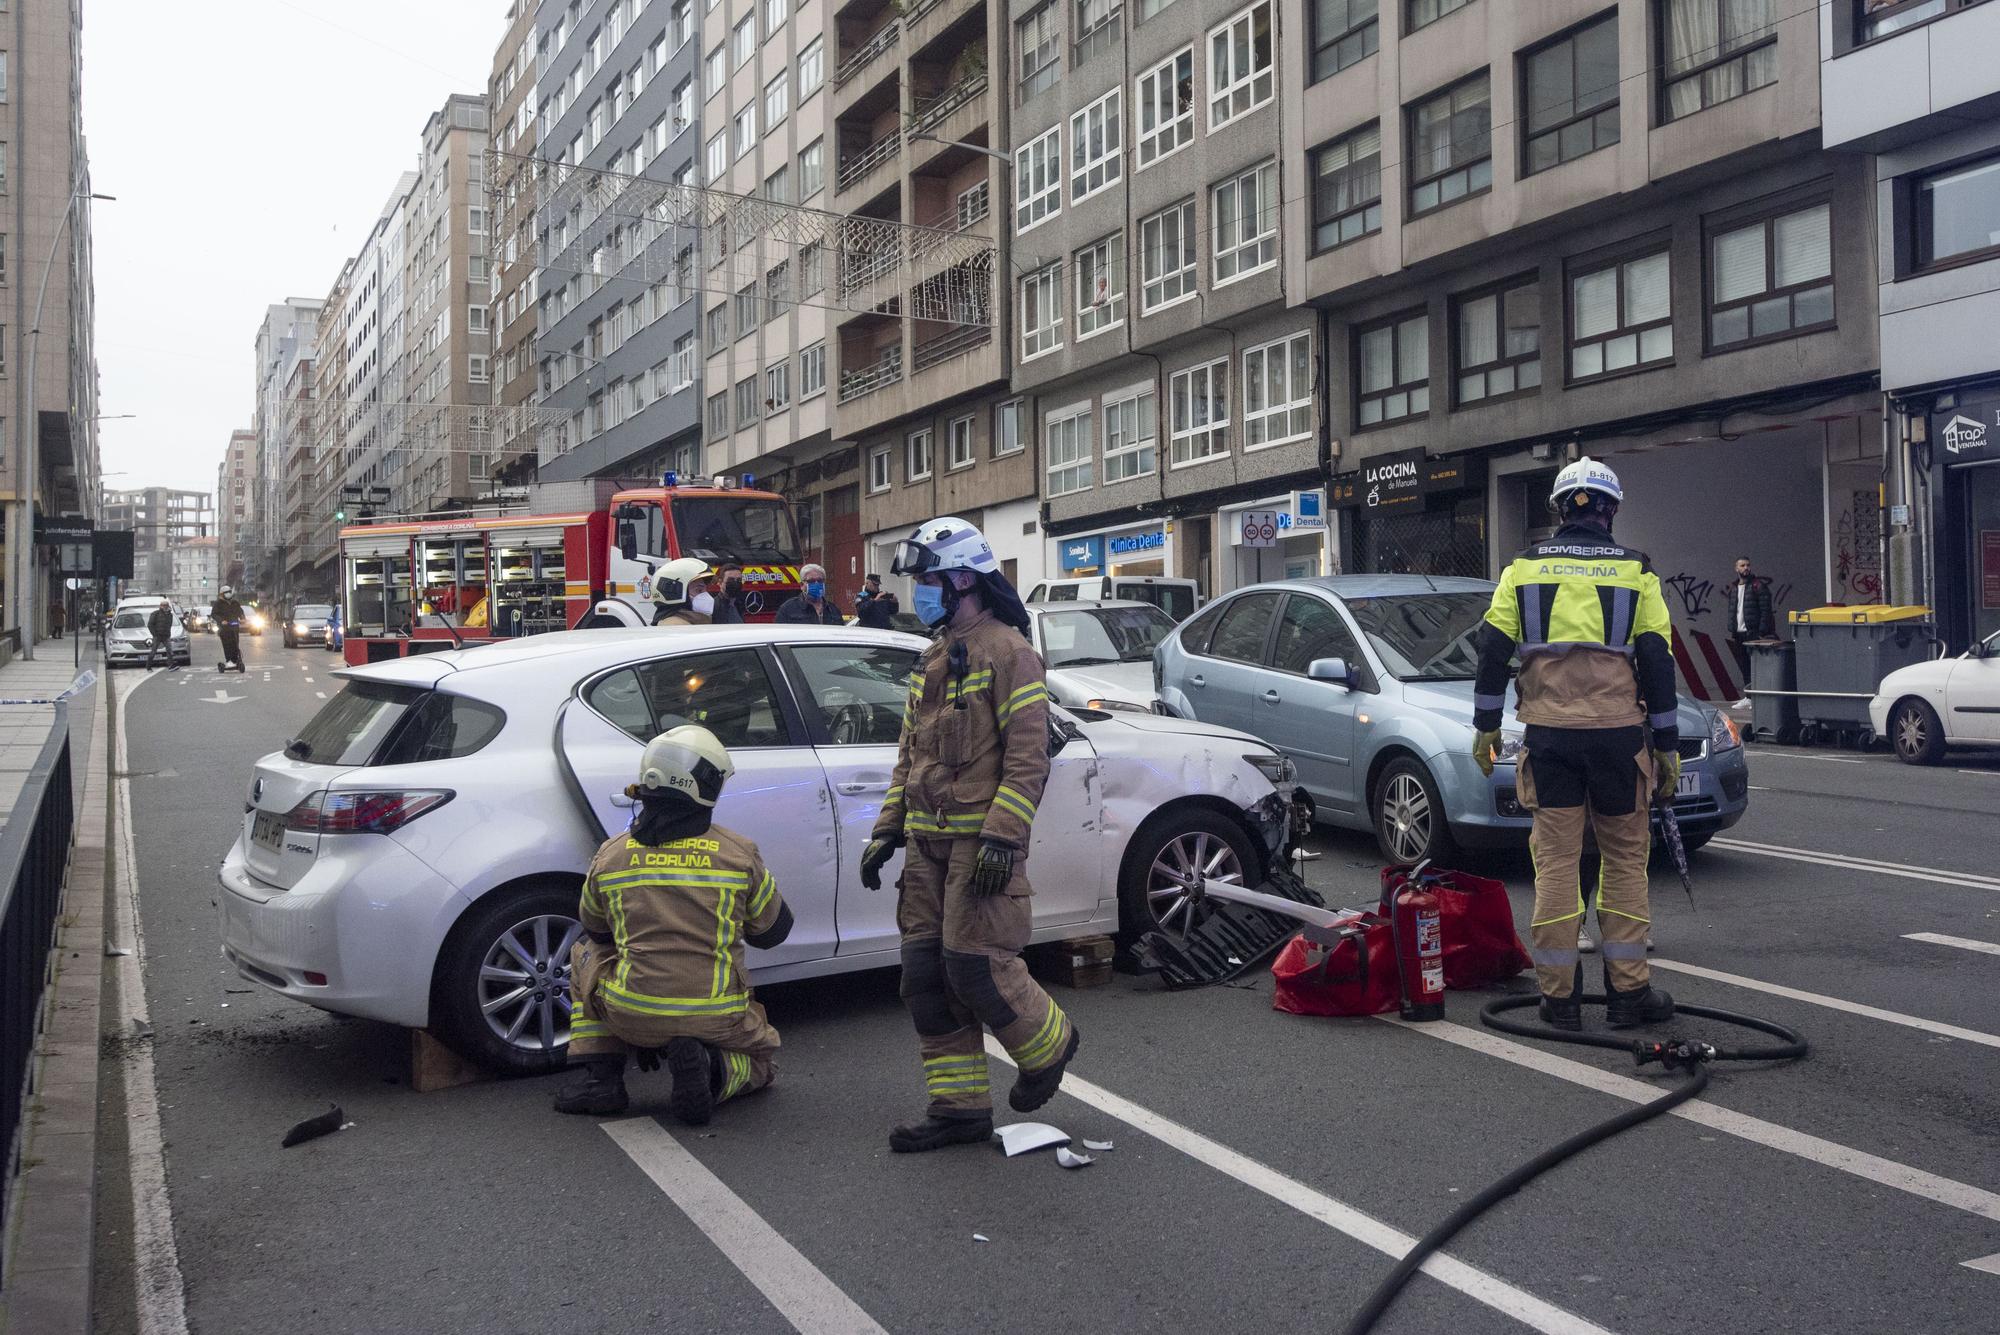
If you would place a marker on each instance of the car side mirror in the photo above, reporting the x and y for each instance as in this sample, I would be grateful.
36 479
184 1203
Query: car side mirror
1334 670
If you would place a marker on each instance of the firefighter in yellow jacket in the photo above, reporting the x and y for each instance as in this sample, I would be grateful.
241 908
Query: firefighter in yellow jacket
1600 741
971 768
676 589
667 909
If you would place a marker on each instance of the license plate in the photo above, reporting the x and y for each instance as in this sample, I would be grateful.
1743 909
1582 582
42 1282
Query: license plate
1689 785
267 830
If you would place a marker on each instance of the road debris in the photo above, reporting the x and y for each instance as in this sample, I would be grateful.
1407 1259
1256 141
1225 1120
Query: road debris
1097 1144
1024 1137
981 1237
313 1128
1069 1158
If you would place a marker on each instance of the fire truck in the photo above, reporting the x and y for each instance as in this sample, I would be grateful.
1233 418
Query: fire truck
419 585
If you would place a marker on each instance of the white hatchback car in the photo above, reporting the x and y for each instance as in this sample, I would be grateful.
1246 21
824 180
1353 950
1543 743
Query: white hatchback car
1926 707
1100 654
416 853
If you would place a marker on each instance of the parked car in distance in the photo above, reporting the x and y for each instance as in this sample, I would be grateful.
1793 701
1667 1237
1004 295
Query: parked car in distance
1926 707
307 624
128 640
1365 681
415 854
1099 654
1178 598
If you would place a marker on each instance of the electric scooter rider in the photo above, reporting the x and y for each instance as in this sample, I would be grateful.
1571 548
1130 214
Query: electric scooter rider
970 770
227 614
1586 616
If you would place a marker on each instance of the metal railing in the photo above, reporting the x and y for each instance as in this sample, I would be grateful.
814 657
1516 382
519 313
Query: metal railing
945 347
859 61
34 854
950 100
853 169
886 372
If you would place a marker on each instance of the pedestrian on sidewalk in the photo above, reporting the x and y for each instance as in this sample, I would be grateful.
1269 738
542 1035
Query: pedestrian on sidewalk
873 608
57 618
160 625
810 606
1751 614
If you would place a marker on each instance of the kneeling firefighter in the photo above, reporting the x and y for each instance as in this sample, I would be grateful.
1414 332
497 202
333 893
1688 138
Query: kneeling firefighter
1586 617
970 770
678 589
667 908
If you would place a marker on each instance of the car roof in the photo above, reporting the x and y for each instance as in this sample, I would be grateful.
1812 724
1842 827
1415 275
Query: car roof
1084 604
1380 586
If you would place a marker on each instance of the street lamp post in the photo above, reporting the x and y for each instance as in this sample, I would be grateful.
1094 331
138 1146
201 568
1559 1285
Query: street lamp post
27 454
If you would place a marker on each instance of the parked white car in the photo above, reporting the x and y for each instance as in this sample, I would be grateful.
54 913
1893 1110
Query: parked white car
1100 654
416 853
1926 707
127 640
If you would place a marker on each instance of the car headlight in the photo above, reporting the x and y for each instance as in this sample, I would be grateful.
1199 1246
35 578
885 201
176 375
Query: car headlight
1115 704
1723 734
1276 767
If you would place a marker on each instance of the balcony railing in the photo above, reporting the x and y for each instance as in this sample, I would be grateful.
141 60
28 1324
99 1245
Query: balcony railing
854 169
933 113
864 266
886 372
945 347
880 42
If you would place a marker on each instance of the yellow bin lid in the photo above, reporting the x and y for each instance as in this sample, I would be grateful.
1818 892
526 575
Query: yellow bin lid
1869 615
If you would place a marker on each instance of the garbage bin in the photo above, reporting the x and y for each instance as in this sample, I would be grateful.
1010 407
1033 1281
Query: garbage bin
1842 655
1774 708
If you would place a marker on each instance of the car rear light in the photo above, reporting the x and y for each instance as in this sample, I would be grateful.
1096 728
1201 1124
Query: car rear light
364 813
314 978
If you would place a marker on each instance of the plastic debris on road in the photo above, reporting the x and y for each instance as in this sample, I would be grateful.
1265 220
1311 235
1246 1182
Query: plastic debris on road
1024 1137
1097 1144
1069 1158
981 1237
313 1128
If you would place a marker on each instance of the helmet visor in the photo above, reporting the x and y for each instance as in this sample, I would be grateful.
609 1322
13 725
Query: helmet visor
913 558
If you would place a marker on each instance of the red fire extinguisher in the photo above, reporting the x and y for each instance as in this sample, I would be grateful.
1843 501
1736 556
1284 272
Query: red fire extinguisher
1417 924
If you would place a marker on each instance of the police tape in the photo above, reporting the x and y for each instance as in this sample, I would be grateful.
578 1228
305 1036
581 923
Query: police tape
84 681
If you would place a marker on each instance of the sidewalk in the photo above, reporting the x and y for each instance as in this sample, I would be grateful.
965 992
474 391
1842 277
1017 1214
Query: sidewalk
23 728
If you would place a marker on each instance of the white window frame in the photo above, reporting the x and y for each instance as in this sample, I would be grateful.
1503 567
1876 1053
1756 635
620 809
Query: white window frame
812 169
1042 339
681 363
717 156
777 100
1038 178
812 67
1233 92
775 14
478 368
1030 81
743 133
918 448
1246 252
1089 173
959 452
880 475
812 371
1173 128
475 319
743 41
1126 410
1199 443
777 387
1067 449
1098 311
1185 281
1008 414
1278 422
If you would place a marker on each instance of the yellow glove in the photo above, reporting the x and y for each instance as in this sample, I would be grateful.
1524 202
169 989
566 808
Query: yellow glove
1666 776
1484 746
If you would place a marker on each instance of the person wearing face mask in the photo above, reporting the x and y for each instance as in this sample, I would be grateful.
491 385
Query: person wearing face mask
728 610
970 769
673 586
810 606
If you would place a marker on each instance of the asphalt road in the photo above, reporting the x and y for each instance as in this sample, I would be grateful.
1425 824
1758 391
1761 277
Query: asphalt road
1257 1153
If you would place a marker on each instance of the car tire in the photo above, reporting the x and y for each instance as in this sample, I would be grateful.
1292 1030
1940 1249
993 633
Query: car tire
1916 733
1176 839
540 917
1408 815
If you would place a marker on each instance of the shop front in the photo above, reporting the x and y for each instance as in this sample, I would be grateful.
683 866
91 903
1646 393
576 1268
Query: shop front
1408 514
1965 489
1141 549
1296 547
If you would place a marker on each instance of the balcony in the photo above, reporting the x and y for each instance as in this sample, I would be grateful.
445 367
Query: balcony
855 169
885 372
932 113
884 40
950 346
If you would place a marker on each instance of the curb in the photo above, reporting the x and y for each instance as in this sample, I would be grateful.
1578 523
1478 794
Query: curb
53 1239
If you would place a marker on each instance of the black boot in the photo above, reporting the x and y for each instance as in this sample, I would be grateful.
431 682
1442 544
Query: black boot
1642 1005
1562 1012
934 1133
697 1072
1034 1088
599 1091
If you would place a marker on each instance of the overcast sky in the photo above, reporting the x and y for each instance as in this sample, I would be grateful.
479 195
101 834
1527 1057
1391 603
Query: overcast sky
251 145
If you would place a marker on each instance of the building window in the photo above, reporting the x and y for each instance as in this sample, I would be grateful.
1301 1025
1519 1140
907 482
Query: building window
1100 286
1007 428
1096 147
1347 188
1771 278
1041 312
715 73
1039 41
718 158
1038 180
1239 65
680 366
1131 431
680 28
746 130
475 220
716 415
1392 379
1956 213
778 186
777 288
1148 8
812 270
1166 108
1243 214
812 371
1571 90
1499 348
1620 316
1423 13
1167 257
812 169
775 14
746 309
812 68
917 457
475 319
1200 413
1278 392
1343 31
746 400
777 100
743 41
972 204
479 368
878 468
777 387
958 443
1069 450
1714 50
1451 146
1879 18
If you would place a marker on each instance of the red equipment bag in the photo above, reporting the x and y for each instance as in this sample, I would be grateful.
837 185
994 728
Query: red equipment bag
1480 946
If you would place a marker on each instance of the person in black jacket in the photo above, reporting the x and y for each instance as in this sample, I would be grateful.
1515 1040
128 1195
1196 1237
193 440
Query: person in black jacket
873 608
729 601
1751 613
810 606
160 625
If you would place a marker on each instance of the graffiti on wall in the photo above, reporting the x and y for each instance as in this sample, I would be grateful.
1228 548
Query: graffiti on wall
1857 550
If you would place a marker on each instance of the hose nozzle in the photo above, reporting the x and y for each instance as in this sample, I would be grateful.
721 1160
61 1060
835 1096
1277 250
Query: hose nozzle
1674 1054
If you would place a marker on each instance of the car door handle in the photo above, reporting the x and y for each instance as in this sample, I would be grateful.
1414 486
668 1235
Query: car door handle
856 787
1197 680
1270 697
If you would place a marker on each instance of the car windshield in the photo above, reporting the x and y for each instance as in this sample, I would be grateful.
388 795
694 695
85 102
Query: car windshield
312 611
1424 636
1102 635
716 529
129 621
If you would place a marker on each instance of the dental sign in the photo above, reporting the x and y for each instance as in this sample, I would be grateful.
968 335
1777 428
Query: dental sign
1126 543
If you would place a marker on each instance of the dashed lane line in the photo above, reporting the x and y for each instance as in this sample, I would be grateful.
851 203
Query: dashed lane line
1935 875
800 1290
1835 1003
1804 755
1364 1228
1962 942
320 694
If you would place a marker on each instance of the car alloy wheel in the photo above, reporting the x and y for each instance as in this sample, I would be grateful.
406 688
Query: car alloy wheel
1916 733
1406 817
1180 866
524 983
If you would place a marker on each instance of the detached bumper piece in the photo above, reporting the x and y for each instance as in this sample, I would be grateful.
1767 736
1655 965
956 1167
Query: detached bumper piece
1224 940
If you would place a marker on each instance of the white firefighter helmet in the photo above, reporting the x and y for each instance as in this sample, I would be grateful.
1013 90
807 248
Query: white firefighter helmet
946 543
688 759
669 584
1586 474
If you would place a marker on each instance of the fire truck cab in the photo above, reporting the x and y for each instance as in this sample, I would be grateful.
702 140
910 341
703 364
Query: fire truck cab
719 524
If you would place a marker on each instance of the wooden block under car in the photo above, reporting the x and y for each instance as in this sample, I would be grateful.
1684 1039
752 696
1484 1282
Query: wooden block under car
433 1066
1083 961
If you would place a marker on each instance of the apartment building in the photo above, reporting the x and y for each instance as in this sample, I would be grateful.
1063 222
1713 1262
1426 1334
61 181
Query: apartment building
196 572
922 105
1149 293
371 327
318 538
301 435
619 372
511 102
1915 84
159 519
234 503
284 339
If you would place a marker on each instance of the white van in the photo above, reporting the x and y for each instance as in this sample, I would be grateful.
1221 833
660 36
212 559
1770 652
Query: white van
1178 598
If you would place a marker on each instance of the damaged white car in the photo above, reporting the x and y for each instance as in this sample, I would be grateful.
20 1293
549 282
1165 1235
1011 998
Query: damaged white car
416 853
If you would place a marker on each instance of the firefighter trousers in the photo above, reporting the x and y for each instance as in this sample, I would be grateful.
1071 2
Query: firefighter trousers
1598 780
962 969
746 1039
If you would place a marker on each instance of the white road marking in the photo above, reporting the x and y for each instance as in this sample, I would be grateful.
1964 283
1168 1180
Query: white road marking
1990 1264
161 1298
1991 774
1807 755
1835 1003
1872 1168
1936 875
320 694
803 1295
1962 942
222 697
309 681
1470 1280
